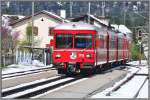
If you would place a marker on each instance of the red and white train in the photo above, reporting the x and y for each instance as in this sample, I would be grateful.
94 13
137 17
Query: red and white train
79 47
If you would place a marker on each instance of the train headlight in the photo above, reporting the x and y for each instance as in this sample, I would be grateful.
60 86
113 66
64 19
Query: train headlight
88 56
58 55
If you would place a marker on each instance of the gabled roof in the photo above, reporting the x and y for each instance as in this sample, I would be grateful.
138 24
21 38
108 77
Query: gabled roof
41 12
92 17
122 28
95 18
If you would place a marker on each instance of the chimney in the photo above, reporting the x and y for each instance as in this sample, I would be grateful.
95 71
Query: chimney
63 13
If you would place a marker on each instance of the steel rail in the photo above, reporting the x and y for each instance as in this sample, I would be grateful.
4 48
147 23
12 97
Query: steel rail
4 76
31 90
11 90
122 83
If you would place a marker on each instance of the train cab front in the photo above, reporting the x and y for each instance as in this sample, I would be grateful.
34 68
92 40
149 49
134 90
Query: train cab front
73 52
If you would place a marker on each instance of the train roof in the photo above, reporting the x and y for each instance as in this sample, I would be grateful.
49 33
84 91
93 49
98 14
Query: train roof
75 26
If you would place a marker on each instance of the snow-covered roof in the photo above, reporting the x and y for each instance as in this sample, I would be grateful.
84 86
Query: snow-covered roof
75 26
59 17
19 16
103 22
43 12
122 28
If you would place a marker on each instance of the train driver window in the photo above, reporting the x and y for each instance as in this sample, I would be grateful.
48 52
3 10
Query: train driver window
83 41
64 41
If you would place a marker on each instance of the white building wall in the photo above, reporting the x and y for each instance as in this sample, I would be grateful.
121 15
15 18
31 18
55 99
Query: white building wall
43 29
43 37
21 27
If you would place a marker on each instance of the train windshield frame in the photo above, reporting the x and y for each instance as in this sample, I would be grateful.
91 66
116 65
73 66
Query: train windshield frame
83 41
64 40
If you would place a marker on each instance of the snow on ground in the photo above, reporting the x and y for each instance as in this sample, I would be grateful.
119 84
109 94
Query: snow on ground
24 67
143 93
129 89
143 62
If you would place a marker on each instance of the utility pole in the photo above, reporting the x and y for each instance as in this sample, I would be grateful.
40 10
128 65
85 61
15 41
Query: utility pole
149 49
140 44
0 38
32 45
71 4
103 8
124 17
149 52
89 11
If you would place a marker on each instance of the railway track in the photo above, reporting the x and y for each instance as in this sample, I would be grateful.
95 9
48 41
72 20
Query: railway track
10 75
38 87
20 73
127 80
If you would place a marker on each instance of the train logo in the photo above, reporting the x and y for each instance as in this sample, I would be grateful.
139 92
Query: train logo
73 55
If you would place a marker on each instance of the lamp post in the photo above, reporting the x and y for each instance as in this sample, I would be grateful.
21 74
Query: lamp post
89 11
32 28
140 44
103 8
71 4
124 17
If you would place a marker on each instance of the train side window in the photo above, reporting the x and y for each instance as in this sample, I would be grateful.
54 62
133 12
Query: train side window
120 43
125 44
105 43
102 41
112 42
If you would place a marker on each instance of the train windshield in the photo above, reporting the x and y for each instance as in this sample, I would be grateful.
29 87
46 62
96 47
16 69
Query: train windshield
64 41
83 41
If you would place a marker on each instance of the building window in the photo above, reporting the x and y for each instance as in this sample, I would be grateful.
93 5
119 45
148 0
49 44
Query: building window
47 45
29 30
35 31
112 42
51 31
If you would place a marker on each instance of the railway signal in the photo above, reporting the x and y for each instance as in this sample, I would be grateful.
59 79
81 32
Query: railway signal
139 35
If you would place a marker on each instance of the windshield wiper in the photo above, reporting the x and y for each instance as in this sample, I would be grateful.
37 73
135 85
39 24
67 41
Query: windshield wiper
87 47
68 45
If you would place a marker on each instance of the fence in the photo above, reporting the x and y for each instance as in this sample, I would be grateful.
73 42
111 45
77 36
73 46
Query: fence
7 60
25 57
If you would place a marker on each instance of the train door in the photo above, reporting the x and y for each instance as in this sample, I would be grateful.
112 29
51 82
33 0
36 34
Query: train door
108 46
124 50
116 46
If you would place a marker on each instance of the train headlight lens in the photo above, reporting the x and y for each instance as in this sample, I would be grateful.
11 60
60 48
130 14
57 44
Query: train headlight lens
88 56
58 55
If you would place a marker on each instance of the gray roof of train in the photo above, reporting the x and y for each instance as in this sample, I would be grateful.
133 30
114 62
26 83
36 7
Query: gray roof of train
75 26
81 26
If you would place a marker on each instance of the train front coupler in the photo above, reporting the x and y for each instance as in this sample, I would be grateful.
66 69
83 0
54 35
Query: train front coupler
73 68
